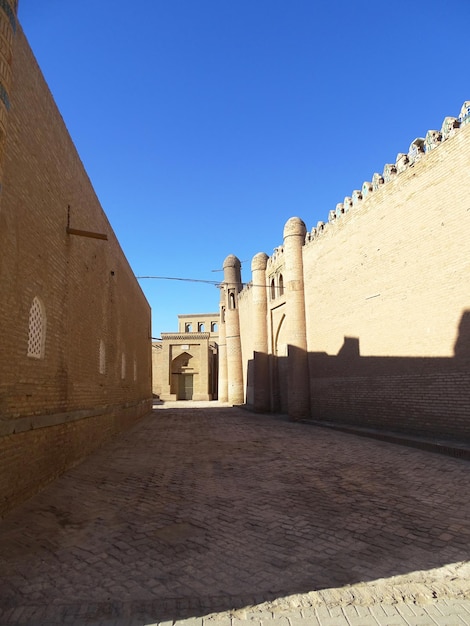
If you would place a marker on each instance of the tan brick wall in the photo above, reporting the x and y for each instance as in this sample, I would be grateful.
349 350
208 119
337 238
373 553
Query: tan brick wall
31 459
257 394
201 340
246 312
185 355
387 287
387 305
88 290
8 25
200 323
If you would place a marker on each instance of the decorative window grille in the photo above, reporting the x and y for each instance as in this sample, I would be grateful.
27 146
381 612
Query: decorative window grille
102 357
37 330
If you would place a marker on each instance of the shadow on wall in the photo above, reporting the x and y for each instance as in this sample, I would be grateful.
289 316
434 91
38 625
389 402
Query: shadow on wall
414 395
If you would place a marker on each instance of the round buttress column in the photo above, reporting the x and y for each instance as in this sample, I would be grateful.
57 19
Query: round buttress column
298 391
223 381
233 285
260 333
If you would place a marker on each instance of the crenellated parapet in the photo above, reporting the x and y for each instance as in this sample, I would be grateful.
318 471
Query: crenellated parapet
277 256
276 260
245 290
417 151
432 140
402 162
390 171
356 196
367 188
377 181
464 117
318 230
449 127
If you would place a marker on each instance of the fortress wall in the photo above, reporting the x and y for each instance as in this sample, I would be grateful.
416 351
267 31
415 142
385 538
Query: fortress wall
245 310
94 375
387 291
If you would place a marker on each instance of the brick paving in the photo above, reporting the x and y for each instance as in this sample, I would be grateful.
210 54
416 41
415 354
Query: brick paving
208 515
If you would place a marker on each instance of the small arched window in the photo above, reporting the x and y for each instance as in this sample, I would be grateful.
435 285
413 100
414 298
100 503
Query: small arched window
37 330
273 289
231 300
201 327
214 327
188 327
281 285
222 315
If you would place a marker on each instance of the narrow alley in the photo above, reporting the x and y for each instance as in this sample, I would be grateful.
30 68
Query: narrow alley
209 514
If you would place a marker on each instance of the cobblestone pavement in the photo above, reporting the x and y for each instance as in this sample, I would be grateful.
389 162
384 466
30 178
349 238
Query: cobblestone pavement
208 515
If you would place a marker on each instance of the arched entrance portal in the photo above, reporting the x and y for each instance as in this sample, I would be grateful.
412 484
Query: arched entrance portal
280 369
182 377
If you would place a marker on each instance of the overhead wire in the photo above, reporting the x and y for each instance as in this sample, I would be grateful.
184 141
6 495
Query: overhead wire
216 283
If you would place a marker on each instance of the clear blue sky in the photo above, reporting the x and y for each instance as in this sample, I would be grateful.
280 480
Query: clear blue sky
215 121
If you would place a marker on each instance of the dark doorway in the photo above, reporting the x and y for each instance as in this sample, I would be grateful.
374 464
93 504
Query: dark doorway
185 387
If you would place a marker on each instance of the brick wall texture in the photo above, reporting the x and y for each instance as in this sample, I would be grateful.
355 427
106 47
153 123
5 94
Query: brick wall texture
387 303
91 376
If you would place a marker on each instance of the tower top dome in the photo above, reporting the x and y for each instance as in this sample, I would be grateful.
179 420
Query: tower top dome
295 226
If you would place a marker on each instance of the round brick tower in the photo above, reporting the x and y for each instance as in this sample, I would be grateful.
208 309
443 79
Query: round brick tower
260 333
232 287
298 391
8 26
223 381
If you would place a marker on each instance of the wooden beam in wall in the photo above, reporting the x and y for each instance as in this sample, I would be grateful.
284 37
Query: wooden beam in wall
86 233
83 233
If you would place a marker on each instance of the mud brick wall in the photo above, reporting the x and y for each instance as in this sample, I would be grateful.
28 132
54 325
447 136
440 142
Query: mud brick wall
387 292
89 373
386 287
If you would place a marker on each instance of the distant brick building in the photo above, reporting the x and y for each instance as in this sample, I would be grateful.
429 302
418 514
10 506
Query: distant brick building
364 319
75 351
185 364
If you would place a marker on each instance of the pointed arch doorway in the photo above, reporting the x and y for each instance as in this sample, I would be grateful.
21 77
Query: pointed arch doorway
281 371
182 378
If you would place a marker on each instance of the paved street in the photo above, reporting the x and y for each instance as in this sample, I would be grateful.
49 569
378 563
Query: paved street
204 514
